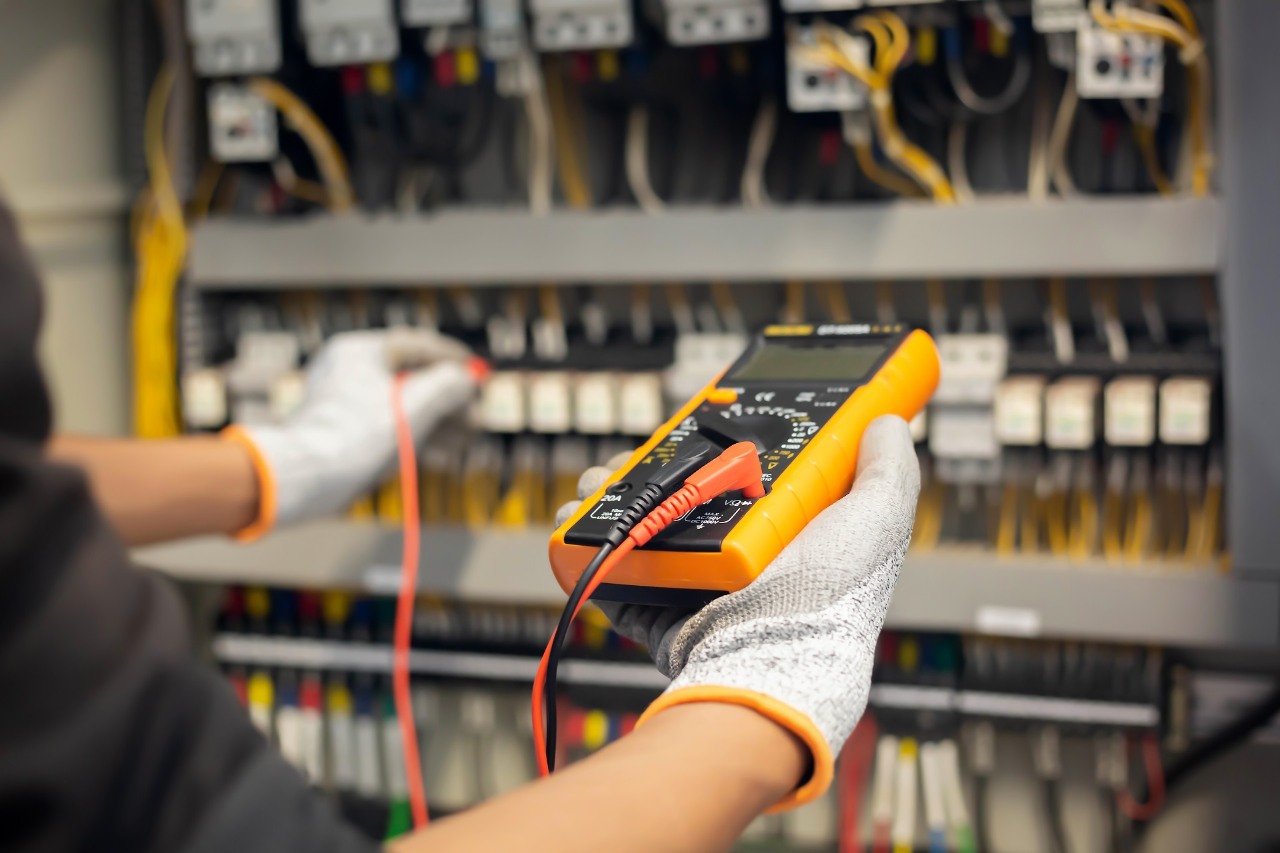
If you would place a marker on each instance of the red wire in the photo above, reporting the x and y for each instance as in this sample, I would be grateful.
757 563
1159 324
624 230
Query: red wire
406 453
540 679
855 765
1151 763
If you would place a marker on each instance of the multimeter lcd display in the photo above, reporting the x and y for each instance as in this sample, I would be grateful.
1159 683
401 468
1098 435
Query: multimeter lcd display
839 362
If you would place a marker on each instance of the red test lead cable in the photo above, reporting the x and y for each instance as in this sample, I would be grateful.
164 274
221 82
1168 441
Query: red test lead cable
407 457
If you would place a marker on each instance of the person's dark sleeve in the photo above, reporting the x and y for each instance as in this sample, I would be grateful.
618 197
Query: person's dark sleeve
112 737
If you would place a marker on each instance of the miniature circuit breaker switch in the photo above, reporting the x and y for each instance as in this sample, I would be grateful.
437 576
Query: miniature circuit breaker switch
232 37
581 24
342 32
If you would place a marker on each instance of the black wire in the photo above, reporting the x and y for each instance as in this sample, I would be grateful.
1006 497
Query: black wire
981 828
557 646
1222 741
1053 816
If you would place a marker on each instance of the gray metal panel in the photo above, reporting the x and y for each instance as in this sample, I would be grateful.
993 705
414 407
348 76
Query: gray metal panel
945 590
1250 283
493 566
1172 604
1003 238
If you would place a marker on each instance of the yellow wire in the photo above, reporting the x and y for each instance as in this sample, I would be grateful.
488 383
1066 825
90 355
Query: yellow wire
1032 515
1084 525
888 30
900 41
160 243
882 39
573 181
1137 535
837 303
1145 138
1056 511
794 309
206 187
1113 525
722 296
1007 529
1212 513
1182 12
881 176
324 150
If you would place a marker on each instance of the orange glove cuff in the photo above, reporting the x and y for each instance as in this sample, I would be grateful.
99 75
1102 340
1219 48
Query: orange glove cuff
266 518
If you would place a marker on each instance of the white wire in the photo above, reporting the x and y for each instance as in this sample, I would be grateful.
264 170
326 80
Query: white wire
1038 162
882 785
1019 77
1060 138
538 116
935 810
903 832
637 161
760 144
957 162
948 758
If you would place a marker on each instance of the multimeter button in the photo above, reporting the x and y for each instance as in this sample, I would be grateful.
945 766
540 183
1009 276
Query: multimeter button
722 396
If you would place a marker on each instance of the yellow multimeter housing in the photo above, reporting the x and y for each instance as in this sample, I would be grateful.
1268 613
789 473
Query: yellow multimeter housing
804 394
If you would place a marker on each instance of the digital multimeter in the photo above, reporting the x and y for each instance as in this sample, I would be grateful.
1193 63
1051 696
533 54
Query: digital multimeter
803 394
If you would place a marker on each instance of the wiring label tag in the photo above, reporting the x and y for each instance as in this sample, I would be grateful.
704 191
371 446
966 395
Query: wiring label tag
1008 621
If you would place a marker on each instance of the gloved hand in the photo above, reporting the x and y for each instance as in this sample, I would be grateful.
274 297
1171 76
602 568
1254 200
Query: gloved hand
798 644
341 440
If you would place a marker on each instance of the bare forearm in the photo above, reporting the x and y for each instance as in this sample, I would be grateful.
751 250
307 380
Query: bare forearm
166 489
689 780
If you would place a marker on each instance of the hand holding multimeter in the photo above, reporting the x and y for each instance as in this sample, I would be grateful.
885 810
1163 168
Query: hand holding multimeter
808 563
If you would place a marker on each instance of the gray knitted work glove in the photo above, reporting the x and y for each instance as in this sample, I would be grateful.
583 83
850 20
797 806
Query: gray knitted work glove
341 440
798 644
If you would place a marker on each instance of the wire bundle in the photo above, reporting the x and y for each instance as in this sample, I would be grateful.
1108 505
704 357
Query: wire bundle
892 42
159 237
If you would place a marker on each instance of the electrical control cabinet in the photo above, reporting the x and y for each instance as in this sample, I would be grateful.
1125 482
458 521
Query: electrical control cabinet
342 32
232 37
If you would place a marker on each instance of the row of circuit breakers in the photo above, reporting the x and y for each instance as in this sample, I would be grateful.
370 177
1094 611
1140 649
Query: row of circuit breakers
234 38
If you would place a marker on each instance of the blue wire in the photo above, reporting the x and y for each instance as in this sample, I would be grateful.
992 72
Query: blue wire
937 841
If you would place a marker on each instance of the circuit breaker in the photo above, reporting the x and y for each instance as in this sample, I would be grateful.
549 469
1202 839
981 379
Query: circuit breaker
690 22
1057 16
501 28
339 32
234 36
435 13
242 126
816 86
962 423
800 7
1114 65
581 24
